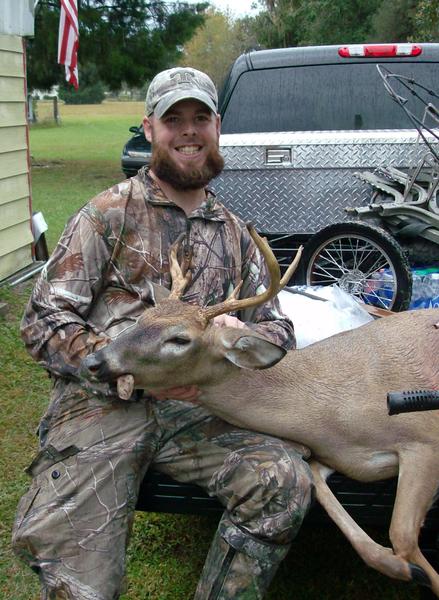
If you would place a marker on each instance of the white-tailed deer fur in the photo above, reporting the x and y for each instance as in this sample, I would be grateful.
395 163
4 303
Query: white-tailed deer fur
330 397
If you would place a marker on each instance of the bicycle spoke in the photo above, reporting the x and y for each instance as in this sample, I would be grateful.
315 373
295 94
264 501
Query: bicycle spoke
370 252
381 301
380 263
319 271
354 252
357 265
333 259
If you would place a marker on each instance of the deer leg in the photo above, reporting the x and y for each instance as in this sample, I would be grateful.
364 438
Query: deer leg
417 485
374 555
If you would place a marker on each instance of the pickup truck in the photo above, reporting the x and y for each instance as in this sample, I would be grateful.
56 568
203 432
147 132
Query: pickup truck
296 124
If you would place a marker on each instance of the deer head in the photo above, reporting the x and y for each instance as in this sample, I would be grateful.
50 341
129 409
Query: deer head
175 343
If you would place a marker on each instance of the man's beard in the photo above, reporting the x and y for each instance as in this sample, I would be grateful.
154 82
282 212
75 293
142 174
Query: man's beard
194 178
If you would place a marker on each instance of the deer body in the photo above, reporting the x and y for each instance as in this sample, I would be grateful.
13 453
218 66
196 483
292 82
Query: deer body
330 397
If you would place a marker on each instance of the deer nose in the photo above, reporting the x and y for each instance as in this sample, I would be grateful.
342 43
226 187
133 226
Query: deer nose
92 365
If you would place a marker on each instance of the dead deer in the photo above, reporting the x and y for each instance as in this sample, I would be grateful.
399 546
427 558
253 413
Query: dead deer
330 397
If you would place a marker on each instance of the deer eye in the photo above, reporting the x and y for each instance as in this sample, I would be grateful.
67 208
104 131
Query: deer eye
179 340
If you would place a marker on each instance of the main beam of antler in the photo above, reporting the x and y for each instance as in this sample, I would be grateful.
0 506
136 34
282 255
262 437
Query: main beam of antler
276 283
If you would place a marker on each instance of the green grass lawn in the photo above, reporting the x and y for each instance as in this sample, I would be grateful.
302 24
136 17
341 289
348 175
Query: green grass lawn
72 163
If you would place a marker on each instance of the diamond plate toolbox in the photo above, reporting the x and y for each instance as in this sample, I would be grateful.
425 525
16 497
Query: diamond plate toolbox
300 182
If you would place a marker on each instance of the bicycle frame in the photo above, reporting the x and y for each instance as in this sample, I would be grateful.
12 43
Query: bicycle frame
408 199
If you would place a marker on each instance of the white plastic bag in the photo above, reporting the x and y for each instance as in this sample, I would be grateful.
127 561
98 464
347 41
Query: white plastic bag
316 319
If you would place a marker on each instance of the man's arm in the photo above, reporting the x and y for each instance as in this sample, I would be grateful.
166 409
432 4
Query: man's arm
54 327
266 319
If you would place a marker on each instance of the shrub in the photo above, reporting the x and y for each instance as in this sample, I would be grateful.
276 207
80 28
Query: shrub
86 94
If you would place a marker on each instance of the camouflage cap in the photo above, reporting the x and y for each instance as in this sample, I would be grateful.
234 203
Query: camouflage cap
180 83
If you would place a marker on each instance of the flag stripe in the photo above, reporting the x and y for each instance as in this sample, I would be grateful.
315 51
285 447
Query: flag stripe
72 13
68 40
61 35
64 42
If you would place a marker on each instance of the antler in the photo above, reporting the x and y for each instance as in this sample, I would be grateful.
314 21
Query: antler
179 281
276 283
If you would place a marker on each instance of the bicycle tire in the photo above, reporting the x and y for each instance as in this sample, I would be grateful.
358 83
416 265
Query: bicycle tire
363 260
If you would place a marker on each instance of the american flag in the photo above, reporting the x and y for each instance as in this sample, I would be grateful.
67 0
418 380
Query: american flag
68 40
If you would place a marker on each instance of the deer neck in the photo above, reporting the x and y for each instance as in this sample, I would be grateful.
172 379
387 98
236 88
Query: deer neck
255 399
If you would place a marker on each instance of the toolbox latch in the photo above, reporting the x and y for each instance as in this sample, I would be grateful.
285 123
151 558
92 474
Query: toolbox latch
277 156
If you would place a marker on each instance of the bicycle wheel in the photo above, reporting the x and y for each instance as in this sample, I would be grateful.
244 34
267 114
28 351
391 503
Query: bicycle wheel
361 259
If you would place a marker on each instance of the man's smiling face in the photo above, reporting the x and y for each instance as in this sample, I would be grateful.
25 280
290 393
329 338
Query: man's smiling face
185 145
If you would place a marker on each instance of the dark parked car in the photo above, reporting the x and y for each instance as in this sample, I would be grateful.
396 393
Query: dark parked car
136 152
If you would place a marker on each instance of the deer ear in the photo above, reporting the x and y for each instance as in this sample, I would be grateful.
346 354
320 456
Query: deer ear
249 350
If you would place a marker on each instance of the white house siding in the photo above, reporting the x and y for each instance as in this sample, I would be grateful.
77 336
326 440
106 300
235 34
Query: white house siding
15 229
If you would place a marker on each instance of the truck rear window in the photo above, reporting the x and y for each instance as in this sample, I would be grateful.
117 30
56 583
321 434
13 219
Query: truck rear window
323 97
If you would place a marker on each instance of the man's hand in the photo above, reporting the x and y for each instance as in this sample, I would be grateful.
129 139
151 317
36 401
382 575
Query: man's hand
228 321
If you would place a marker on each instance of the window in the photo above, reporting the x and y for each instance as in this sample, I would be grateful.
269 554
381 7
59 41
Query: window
322 97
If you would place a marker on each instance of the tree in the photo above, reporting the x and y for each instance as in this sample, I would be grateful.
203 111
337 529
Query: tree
426 21
281 23
394 21
127 40
91 90
216 44
338 21
315 22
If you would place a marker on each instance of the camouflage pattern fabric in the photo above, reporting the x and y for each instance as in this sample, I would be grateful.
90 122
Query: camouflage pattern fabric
238 566
73 524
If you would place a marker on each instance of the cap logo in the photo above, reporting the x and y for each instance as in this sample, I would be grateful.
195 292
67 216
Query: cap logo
182 77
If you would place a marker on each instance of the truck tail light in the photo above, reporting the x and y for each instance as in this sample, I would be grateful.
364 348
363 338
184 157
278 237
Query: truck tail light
379 50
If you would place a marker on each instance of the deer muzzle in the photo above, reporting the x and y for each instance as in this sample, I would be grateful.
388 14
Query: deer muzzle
95 368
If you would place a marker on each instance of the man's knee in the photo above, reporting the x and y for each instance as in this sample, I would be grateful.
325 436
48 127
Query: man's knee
266 489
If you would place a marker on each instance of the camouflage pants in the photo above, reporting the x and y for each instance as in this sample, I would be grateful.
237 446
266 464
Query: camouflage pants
72 525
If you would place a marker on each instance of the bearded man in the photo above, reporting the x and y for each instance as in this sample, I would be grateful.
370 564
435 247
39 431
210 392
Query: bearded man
111 264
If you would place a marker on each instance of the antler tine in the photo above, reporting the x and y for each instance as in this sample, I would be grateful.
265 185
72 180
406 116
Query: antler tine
291 269
276 283
179 281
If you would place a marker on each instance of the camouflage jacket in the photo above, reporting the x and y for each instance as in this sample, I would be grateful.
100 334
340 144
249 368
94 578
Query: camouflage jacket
112 258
